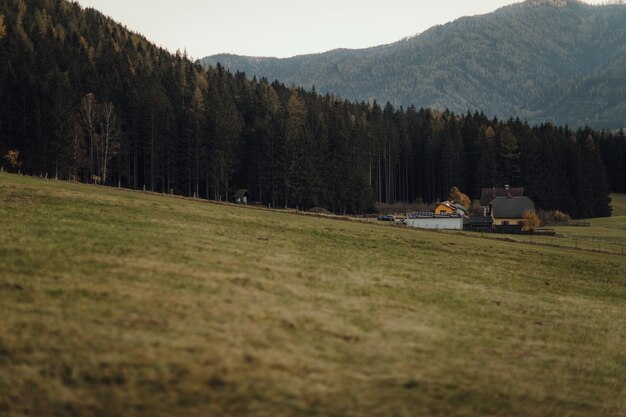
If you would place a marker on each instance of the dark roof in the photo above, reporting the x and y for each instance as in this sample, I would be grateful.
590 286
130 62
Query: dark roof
240 193
511 208
488 194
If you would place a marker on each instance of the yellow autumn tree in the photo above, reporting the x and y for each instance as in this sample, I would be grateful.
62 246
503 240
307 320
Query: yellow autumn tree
3 29
531 220
12 158
457 196
561 217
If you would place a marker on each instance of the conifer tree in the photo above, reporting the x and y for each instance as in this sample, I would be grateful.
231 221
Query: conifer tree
508 158
296 135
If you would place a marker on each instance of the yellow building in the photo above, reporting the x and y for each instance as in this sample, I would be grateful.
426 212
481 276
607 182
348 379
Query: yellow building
444 208
449 209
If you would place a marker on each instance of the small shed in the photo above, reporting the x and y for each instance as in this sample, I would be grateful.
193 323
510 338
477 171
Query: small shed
242 196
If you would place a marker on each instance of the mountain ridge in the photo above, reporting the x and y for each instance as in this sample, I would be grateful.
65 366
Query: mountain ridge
502 63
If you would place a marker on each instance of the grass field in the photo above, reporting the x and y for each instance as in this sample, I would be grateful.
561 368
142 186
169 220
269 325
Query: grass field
618 202
120 303
607 235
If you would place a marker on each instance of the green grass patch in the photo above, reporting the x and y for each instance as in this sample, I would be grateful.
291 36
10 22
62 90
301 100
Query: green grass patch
117 303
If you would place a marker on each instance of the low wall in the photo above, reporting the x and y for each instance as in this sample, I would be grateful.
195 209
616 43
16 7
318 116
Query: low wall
440 223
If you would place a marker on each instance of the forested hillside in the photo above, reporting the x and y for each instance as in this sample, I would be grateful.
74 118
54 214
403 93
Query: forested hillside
84 98
559 61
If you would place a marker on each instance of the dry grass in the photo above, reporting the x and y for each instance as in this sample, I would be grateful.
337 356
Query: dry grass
123 303
618 203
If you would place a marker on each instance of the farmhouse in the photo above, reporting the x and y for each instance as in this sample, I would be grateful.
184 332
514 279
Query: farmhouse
242 196
508 212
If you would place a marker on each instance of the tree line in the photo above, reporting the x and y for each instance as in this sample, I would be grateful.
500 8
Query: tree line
86 99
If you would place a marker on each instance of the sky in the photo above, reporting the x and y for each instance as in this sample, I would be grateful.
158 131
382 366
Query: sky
283 28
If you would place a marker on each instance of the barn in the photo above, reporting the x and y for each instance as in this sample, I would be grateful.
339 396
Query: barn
435 222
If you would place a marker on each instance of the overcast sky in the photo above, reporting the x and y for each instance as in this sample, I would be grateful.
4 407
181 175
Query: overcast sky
283 28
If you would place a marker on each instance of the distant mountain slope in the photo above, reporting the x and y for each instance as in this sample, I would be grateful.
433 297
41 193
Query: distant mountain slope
509 63
597 100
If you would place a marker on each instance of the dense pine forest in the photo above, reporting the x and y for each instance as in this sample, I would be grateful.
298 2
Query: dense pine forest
84 98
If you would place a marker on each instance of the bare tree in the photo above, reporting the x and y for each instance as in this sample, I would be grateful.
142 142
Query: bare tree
89 119
109 141
78 158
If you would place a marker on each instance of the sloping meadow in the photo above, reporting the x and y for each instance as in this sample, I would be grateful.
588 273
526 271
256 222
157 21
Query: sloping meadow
125 303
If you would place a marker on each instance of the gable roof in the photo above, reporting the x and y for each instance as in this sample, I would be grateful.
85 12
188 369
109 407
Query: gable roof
511 208
448 205
460 206
453 206
240 193
488 194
